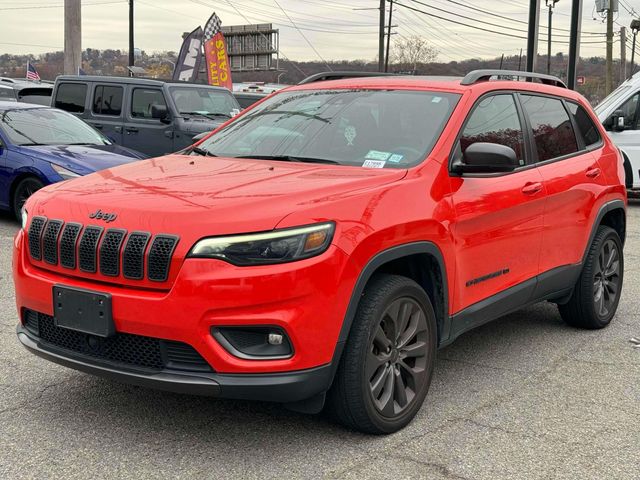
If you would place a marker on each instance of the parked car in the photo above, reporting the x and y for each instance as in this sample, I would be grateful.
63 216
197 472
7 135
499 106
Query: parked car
246 99
7 94
151 116
29 91
343 232
41 145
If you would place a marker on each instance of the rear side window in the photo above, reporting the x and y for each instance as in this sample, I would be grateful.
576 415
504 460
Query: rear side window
6 94
552 130
107 100
71 97
585 125
495 120
143 101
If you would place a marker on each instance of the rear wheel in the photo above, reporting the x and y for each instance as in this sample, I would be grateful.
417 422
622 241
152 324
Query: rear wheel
597 293
25 188
386 368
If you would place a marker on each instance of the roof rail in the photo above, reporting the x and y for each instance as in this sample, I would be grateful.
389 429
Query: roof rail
485 75
320 77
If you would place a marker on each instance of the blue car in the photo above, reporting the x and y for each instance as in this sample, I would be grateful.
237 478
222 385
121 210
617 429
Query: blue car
42 145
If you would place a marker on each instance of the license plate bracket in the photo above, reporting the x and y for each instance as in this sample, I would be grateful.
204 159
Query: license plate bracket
83 311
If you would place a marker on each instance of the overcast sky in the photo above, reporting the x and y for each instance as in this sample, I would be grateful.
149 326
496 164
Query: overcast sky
337 29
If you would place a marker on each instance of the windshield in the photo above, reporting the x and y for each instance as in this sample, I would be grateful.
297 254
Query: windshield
370 128
204 101
613 96
44 126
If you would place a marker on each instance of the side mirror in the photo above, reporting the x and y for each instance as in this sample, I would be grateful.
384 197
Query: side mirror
161 113
617 121
235 111
486 158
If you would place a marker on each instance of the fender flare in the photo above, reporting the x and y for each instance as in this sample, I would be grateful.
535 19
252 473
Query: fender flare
604 209
386 256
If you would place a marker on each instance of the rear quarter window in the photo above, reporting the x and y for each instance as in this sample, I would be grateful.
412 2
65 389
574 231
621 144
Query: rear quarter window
586 126
71 97
552 129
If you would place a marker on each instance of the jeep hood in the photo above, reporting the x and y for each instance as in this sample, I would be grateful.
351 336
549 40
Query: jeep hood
203 196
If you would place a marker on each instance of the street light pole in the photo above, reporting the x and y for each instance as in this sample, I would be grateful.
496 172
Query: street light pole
551 4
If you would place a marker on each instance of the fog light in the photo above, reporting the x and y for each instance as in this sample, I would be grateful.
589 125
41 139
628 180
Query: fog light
254 342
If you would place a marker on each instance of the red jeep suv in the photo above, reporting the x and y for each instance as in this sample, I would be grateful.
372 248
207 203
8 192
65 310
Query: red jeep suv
320 247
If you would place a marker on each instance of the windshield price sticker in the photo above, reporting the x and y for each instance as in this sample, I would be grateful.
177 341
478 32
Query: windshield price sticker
374 164
376 155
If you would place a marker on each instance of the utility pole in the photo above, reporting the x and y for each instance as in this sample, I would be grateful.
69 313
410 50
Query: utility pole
532 37
520 61
72 37
381 37
551 4
609 77
574 43
132 57
635 26
386 58
623 54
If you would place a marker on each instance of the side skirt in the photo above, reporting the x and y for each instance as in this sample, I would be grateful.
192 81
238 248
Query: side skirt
554 284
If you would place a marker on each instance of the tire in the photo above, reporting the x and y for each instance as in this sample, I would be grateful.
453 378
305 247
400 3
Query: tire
597 292
372 382
24 189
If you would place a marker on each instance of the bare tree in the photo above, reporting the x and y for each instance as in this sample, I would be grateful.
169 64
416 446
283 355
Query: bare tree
410 52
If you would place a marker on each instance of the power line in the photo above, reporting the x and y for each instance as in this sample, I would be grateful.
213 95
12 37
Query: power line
303 35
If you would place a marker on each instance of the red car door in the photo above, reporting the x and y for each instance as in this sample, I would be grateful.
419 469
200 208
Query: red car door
570 171
499 217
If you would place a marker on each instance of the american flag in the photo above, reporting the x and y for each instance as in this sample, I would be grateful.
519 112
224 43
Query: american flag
212 27
32 73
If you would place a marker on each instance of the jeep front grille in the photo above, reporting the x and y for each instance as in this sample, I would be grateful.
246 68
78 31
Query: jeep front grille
93 249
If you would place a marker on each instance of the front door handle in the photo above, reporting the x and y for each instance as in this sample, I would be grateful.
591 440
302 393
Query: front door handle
99 126
118 129
593 172
532 188
131 130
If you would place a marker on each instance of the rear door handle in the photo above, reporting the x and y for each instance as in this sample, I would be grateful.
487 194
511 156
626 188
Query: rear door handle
532 188
131 130
593 172
118 129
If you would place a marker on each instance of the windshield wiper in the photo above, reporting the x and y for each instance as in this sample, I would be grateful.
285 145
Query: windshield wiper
290 158
210 116
203 152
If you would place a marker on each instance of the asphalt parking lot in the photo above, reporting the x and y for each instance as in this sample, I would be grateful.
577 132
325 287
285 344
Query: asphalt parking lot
524 397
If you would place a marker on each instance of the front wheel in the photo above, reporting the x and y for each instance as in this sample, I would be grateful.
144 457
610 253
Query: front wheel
25 188
597 292
386 368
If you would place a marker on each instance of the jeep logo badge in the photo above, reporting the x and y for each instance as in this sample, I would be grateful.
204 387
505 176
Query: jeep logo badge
100 215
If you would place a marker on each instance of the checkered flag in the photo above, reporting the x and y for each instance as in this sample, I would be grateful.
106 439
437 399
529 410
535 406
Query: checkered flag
212 27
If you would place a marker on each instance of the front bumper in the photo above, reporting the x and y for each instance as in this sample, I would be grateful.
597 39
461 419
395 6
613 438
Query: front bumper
307 299
280 387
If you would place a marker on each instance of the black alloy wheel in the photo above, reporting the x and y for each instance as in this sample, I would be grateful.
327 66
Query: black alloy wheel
397 357
596 294
606 280
386 368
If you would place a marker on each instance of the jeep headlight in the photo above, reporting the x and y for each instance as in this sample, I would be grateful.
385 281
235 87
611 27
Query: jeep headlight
277 246
25 217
